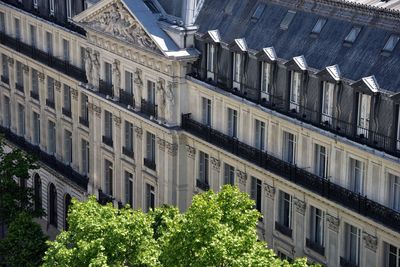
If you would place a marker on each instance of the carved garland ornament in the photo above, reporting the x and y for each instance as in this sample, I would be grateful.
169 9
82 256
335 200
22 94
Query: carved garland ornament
215 163
333 222
191 151
96 109
242 177
371 242
172 149
269 191
161 143
139 132
300 206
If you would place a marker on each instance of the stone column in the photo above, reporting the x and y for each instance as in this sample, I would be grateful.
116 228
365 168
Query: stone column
299 229
269 216
43 118
332 253
58 105
118 172
171 172
215 183
139 167
76 149
371 245
95 146
27 103
162 176
138 88
187 183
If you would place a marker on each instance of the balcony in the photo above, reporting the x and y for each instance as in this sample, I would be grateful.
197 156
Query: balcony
106 88
45 158
108 141
43 57
315 247
283 229
148 108
19 87
342 128
84 121
323 187
50 103
202 185
104 198
5 79
35 95
149 163
128 152
346 263
66 112
126 98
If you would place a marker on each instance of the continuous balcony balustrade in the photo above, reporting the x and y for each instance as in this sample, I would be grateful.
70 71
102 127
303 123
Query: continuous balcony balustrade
47 159
126 98
323 187
342 128
202 185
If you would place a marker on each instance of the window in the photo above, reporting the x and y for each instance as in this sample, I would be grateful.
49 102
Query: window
259 134
206 111
318 26
352 245
36 128
391 43
352 35
394 192
50 91
69 9
356 176
150 198
66 56
67 101
317 226
129 188
108 125
237 65
85 157
289 147
108 175
35 84
285 209
2 23
51 138
7 112
129 82
53 205
266 80
295 83
37 184
321 161
82 54
151 92
232 122
128 147
84 109
210 57
107 73
21 120
51 7
4 63
256 187
20 76
151 147
17 26
204 168
287 19
32 30
229 174
327 102
49 43
68 147
363 114
392 255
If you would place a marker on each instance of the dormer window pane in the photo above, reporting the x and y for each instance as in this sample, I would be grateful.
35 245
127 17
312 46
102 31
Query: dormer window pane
287 19
210 57
237 58
353 34
364 106
327 102
266 80
295 81
391 43
318 26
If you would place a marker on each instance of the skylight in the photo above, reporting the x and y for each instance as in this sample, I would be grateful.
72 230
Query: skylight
353 34
318 26
391 43
258 12
287 19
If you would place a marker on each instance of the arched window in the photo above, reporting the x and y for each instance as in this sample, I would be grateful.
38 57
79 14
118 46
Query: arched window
53 205
37 183
67 204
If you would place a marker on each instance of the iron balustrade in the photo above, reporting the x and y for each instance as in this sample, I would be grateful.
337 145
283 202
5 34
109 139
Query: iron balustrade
104 198
50 103
149 163
19 87
84 121
5 79
323 187
346 263
108 141
66 112
332 124
315 247
35 95
43 57
49 160
128 152
106 88
126 98
283 229
202 185
148 108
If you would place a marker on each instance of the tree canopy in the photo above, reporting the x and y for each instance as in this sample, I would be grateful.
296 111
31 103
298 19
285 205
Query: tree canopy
218 229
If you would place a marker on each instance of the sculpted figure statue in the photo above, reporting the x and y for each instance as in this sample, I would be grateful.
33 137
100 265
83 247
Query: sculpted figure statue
96 69
161 98
169 92
88 66
138 88
117 78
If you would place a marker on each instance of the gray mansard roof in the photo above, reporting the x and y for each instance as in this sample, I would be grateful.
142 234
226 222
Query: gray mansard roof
233 19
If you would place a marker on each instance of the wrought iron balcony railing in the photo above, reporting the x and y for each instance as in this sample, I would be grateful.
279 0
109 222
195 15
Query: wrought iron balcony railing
19 87
5 79
126 98
128 152
150 163
47 159
84 121
283 229
346 263
108 141
202 185
66 112
35 95
315 247
148 108
104 198
106 88
50 103
323 187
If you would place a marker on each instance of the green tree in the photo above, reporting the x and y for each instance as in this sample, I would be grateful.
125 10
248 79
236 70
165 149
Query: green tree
25 243
104 236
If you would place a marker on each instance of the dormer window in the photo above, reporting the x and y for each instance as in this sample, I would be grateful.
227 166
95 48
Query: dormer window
237 65
294 94
51 7
327 102
210 60
265 80
35 4
363 114
69 9
352 35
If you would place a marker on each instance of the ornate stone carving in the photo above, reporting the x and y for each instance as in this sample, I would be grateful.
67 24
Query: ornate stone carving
10 62
191 151
300 206
74 93
139 86
170 103
114 19
370 241
25 68
333 222
117 121
41 76
242 176
89 65
57 86
96 109
269 191
172 149
95 60
161 97
161 144
215 163
139 132
116 77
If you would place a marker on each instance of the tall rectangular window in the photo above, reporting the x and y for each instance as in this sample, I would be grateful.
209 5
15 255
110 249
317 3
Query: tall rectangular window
66 53
4 63
317 226
7 112
150 198
210 57
85 160
36 128
151 92
17 26
108 125
85 109
51 138
32 30
237 73
392 255
321 161
129 188
327 102
229 174
289 147
50 91
285 209
35 84
129 82
266 80
107 73
204 168
150 147
108 177
256 189
294 96
19 75
206 111
352 244
67 146
67 100
21 120
394 192
49 43
356 176
259 134
2 23
363 114
232 122
128 147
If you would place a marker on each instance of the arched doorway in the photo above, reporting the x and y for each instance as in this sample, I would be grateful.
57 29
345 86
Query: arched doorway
67 204
53 205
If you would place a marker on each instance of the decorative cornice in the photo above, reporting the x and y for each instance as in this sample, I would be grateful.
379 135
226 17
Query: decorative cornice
370 241
139 132
242 176
269 191
191 151
333 222
215 163
57 86
300 206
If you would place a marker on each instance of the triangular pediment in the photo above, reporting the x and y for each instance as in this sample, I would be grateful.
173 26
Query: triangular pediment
367 85
297 63
117 19
267 54
212 36
330 73
238 45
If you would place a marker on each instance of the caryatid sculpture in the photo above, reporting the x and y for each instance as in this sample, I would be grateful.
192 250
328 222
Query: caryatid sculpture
138 88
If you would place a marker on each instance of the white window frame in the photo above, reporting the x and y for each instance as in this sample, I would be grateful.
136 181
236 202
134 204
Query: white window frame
394 191
317 226
260 134
211 49
85 156
389 252
237 70
150 197
294 94
357 175
204 167
21 119
232 122
17 28
229 174
128 136
69 9
321 160
352 244
129 185
283 201
108 124
289 142
108 177
327 102
256 193
68 150
363 114
52 137
206 111
150 147
266 80
51 7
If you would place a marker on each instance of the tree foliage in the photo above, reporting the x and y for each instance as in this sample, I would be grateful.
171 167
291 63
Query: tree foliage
217 230
25 243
